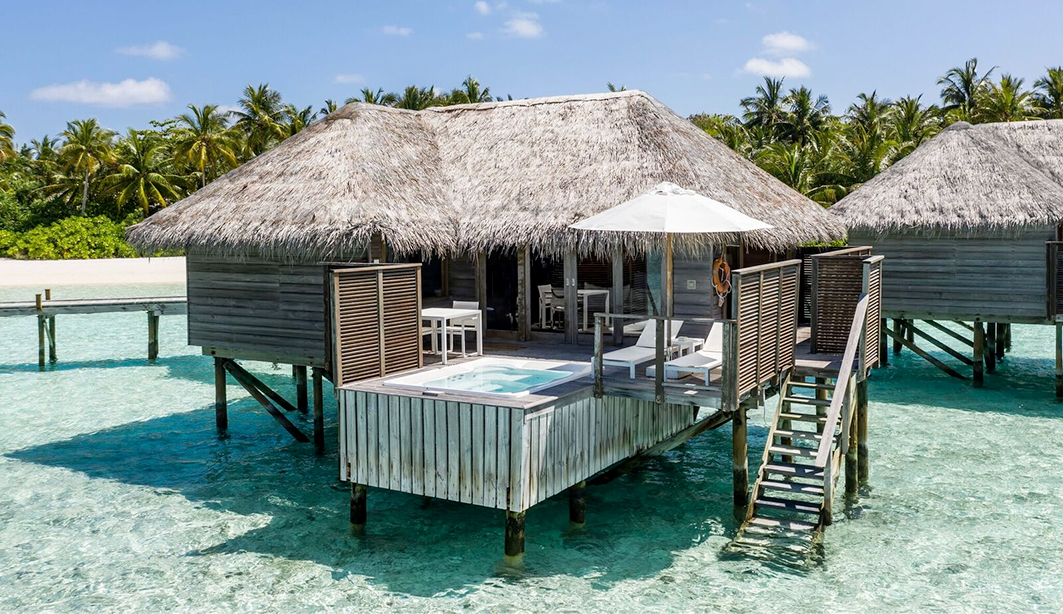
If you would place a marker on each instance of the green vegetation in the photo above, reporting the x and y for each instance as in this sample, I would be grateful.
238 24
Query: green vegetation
71 197
794 135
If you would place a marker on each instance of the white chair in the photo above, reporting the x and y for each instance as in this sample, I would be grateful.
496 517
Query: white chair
459 326
644 349
702 361
546 304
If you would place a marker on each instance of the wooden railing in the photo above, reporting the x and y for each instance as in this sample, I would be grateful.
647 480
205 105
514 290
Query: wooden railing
1055 279
836 284
841 405
376 320
758 343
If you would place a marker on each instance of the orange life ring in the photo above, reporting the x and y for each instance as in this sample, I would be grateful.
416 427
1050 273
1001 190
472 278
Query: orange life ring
721 276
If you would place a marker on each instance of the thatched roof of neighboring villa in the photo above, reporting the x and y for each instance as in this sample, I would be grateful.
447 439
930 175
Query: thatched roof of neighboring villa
988 177
470 177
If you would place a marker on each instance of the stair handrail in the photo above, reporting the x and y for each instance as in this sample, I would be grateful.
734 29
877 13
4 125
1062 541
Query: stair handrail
837 402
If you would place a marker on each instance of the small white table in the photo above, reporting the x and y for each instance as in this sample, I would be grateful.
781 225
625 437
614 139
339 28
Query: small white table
440 318
586 294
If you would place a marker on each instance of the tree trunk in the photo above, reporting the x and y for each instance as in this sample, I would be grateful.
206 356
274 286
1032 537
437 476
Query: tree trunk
85 192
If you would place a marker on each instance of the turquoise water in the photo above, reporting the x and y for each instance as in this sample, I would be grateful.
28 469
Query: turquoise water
497 379
116 495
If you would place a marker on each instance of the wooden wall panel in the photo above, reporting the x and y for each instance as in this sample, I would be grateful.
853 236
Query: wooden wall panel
491 456
950 275
257 306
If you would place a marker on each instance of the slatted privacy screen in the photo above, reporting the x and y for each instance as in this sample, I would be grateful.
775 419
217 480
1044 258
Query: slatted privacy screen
376 320
837 281
765 308
1055 279
872 286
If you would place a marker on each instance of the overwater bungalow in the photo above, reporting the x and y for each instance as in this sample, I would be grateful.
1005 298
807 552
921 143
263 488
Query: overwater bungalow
970 226
367 246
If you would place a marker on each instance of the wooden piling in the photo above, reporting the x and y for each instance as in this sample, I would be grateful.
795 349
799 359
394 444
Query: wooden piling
852 477
740 460
221 409
299 372
990 348
861 432
40 335
1007 338
1059 361
909 332
898 328
53 355
577 504
883 344
979 350
319 411
153 335
358 510
514 534
1001 340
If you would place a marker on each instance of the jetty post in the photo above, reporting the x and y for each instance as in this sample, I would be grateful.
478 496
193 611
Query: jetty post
319 410
221 409
52 353
358 509
514 536
301 400
577 504
1059 361
861 431
40 334
740 456
979 351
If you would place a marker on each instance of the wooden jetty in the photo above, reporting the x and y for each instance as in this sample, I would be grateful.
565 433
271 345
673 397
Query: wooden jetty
45 308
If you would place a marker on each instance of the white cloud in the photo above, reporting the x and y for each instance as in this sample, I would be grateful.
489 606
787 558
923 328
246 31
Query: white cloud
228 109
474 36
786 43
159 50
483 8
783 67
349 78
544 1
397 30
127 93
524 25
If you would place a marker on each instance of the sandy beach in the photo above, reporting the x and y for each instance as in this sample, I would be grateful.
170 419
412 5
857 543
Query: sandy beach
44 273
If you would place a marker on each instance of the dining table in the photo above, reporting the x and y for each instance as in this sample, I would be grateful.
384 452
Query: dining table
441 320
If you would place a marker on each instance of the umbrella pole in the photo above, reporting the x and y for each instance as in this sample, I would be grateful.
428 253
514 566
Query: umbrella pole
666 294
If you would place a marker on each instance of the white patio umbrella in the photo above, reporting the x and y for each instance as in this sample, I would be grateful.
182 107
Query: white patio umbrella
669 209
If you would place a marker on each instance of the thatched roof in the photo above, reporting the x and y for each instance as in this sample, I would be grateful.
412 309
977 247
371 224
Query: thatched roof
989 177
471 177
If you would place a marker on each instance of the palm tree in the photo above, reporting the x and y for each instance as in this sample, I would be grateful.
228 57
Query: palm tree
1007 102
7 139
911 124
765 108
1049 93
470 92
417 98
962 89
329 106
613 88
260 117
869 112
142 172
205 142
805 115
296 119
375 97
726 128
86 147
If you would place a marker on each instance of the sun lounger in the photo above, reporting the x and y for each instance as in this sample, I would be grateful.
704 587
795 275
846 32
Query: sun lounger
701 362
644 349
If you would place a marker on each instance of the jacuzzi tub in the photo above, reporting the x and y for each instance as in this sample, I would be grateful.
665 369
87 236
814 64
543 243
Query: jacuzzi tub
493 377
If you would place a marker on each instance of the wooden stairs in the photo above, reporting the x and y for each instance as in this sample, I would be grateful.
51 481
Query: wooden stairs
792 496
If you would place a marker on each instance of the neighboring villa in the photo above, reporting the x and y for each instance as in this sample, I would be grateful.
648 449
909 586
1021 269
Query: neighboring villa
328 251
970 226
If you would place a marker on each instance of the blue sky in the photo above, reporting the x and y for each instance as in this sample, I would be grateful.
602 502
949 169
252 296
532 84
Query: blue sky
129 62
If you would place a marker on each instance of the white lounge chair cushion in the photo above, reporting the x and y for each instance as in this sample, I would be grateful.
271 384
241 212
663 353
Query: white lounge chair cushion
699 360
629 355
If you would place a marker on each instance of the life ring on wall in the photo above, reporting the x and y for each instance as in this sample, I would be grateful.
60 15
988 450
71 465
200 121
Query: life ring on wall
721 277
